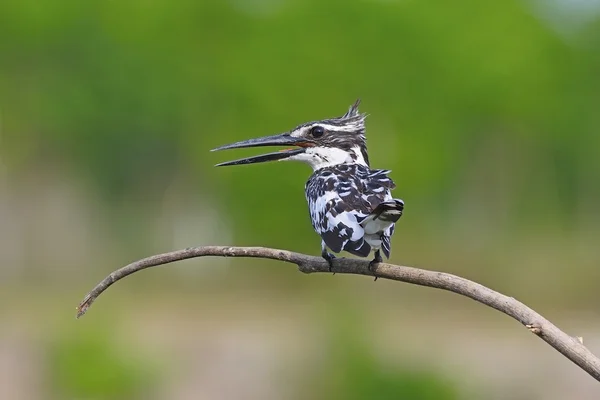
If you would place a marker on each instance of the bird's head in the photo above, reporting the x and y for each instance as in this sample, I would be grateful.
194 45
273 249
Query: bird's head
320 144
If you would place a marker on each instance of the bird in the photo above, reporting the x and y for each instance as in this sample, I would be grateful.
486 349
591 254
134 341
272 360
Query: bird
351 205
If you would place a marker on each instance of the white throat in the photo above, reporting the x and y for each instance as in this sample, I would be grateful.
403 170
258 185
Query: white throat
321 157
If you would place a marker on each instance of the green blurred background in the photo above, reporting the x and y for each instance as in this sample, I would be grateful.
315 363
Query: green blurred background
485 111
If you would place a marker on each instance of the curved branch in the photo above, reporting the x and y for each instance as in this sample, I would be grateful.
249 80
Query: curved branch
570 347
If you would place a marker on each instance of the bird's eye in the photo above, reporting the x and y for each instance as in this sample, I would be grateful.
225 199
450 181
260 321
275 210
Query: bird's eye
317 131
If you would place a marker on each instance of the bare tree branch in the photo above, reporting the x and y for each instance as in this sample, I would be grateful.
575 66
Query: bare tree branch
570 347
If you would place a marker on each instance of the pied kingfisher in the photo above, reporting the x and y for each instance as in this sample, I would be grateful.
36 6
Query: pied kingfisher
350 204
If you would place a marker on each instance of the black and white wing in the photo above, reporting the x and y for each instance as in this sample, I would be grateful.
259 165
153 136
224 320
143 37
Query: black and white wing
384 210
340 199
335 218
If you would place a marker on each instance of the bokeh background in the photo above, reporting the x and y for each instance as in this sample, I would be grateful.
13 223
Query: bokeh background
485 111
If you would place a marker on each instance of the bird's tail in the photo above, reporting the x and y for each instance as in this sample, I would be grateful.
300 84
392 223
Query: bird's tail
389 211
383 216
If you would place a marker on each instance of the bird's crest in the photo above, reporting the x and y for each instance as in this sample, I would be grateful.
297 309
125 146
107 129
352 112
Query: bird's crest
354 117
353 110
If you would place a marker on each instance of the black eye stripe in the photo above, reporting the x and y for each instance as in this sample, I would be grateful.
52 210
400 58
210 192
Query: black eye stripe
317 131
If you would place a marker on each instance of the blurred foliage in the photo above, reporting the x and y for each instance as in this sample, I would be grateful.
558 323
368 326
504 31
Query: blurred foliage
483 98
355 373
86 363
367 380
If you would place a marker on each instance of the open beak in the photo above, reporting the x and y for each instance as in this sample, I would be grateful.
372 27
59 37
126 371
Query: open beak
284 139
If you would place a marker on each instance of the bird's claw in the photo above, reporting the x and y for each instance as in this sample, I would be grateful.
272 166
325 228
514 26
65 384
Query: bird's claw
374 262
329 258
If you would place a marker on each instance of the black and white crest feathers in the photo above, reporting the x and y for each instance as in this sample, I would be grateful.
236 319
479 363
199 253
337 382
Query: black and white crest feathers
352 122
353 110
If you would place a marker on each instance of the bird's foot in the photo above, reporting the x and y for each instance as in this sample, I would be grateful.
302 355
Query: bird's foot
375 261
329 258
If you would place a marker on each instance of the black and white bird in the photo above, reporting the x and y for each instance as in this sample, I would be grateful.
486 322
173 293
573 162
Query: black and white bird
351 206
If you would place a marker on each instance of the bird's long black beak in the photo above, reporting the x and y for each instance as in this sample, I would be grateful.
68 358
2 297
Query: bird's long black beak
284 139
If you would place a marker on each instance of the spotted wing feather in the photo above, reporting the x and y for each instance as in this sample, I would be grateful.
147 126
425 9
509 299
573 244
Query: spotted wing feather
340 198
335 220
